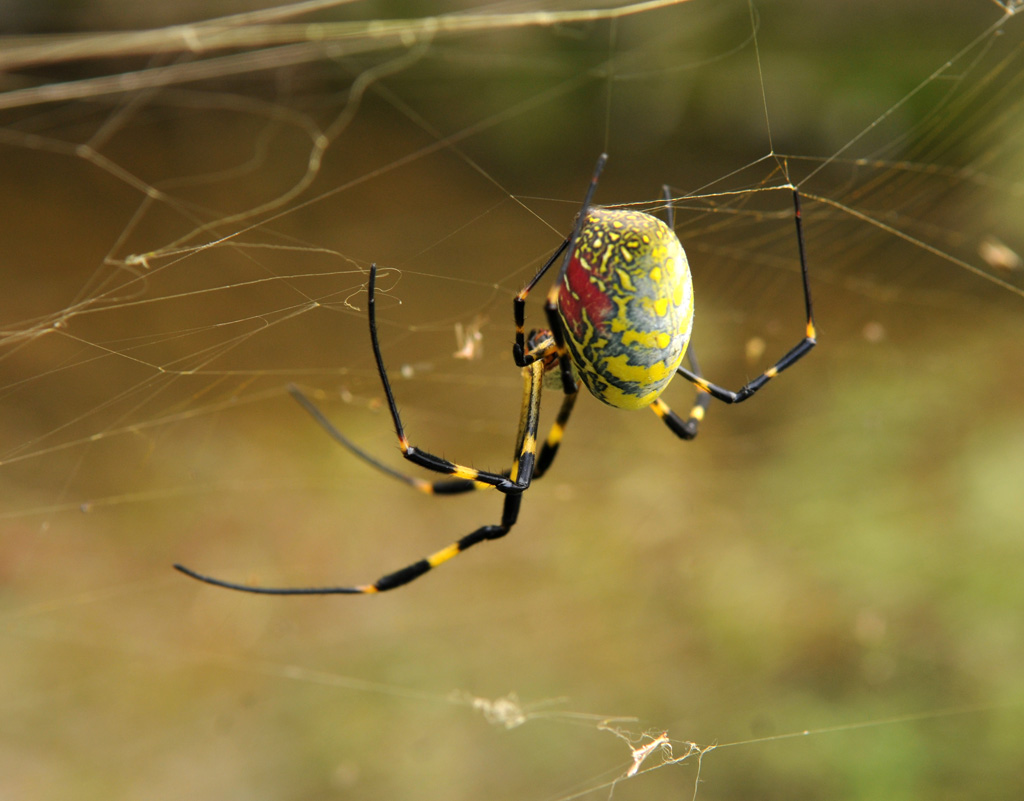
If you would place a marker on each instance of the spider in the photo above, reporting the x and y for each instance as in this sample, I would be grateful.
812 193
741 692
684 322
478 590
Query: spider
619 314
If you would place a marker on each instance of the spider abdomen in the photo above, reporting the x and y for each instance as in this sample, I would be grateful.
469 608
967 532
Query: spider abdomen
626 306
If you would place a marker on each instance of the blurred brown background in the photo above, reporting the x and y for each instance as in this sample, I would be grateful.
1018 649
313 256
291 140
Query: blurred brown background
840 555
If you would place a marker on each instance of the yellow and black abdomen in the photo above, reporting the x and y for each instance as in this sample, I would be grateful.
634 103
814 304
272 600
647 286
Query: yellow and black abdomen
626 305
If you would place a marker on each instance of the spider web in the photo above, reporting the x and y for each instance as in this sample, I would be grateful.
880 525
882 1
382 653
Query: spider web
819 597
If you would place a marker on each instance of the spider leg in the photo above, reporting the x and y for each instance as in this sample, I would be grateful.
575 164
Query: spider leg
509 514
685 428
551 303
450 486
516 480
554 438
504 482
440 487
390 581
519 354
792 356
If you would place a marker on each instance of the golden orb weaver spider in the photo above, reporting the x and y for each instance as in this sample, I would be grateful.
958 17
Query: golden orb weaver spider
620 313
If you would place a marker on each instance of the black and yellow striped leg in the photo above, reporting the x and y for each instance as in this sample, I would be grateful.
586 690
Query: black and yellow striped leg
510 513
689 427
513 483
524 469
551 303
684 429
417 456
521 473
519 353
554 439
792 356
449 486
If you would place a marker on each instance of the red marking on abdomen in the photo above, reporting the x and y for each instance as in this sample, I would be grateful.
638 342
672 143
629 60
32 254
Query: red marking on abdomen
583 295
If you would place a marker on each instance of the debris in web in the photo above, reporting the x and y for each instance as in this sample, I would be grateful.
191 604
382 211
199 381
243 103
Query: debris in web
645 745
640 753
469 340
507 711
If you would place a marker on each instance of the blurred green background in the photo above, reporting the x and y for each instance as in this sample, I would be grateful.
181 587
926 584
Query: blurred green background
840 556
